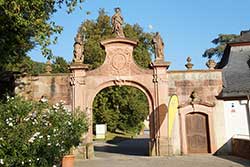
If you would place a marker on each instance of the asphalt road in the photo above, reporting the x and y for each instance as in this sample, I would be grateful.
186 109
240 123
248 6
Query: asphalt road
133 153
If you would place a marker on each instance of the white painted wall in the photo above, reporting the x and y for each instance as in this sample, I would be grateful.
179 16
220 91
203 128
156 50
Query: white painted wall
236 120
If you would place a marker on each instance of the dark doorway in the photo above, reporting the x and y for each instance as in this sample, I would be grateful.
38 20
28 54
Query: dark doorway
197 133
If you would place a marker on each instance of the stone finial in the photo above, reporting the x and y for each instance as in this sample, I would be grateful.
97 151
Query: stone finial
189 65
117 22
78 49
211 64
48 68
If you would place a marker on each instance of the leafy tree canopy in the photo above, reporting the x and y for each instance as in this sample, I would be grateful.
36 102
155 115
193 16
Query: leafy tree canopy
123 108
27 65
60 65
220 42
100 29
25 24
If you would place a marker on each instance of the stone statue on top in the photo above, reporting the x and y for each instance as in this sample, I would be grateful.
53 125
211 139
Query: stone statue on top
78 49
117 22
159 47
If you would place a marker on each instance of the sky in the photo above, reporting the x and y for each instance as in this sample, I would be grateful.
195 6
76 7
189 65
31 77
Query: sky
186 26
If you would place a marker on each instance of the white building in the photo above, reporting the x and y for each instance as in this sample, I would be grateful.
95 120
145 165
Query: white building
235 65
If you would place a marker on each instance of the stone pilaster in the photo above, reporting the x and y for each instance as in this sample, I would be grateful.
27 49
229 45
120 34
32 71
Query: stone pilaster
161 109
78 84
77 81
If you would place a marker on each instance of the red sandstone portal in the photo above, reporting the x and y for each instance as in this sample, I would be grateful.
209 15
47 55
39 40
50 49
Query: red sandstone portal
119 68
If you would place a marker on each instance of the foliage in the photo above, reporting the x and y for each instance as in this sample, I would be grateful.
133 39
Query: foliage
25 24
143 51
100 29
60 65
36 134
123 108
26 65
221 42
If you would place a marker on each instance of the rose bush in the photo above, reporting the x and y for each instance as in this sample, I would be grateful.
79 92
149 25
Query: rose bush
36 133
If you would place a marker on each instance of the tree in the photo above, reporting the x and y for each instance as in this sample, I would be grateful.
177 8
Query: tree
221 42
96 31
25 24
123 108
60 65
26 65
144 49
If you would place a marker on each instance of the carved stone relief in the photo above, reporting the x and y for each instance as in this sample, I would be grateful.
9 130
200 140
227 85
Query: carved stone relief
119 60
77 80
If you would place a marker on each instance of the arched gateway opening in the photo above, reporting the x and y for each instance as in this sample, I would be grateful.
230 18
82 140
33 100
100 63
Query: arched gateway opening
119 69
124 110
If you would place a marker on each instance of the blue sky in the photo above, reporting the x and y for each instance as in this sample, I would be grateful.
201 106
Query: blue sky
186 26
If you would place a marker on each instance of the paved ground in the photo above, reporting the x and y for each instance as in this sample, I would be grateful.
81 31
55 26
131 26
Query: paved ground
177 161
133 153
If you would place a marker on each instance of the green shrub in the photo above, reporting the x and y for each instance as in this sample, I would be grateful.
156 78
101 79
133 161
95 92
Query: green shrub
37 134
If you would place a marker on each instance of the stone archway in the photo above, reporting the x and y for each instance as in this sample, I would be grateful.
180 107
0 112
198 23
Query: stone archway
140 87
119 68
139 145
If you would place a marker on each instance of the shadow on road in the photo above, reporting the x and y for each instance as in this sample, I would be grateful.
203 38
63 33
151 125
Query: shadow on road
235 159
125 146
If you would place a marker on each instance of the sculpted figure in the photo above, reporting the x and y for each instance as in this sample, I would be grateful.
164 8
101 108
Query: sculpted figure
159 46
117 21
78 49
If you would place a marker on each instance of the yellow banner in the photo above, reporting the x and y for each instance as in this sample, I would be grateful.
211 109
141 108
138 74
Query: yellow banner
172 110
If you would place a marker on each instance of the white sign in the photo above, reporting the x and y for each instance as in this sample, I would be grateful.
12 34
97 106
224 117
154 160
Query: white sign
101 130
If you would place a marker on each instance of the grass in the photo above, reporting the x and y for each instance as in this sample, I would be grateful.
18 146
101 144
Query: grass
116 137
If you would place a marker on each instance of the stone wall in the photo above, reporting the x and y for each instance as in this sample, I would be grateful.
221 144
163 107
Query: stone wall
54 87
206 83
